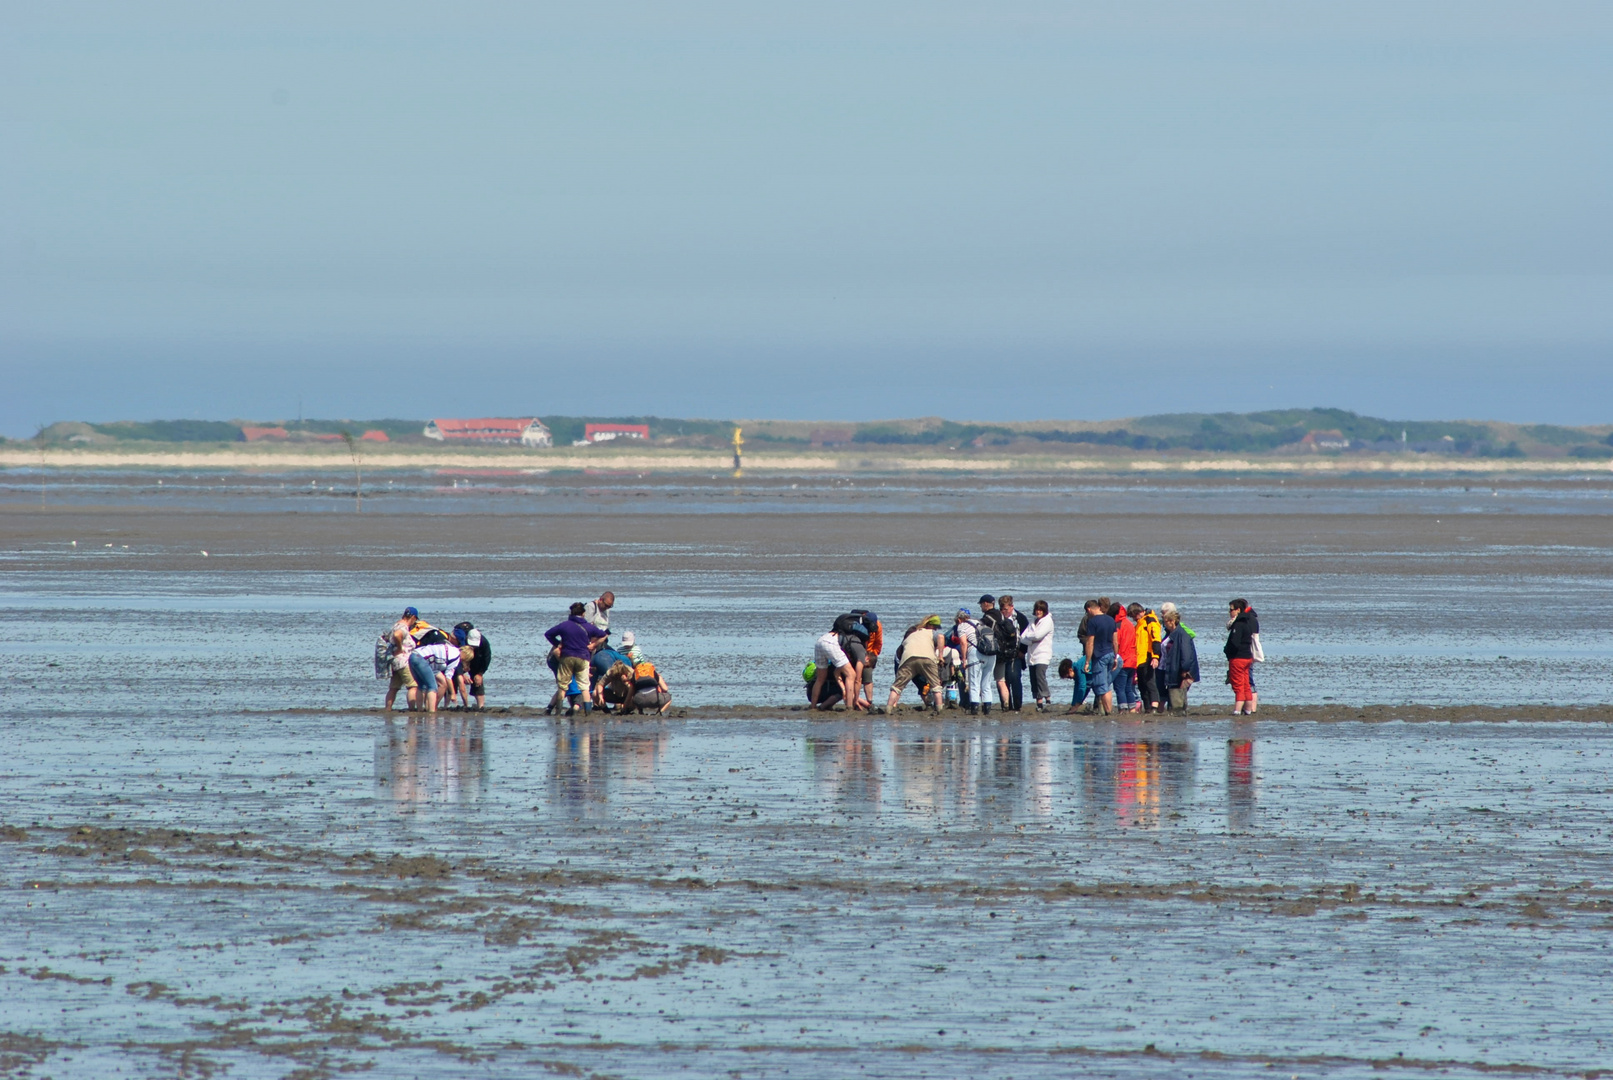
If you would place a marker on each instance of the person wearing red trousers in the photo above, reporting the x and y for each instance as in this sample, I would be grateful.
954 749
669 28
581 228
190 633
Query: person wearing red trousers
1242 626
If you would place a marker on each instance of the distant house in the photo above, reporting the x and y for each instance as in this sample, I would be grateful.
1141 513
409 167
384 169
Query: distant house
264 434
374 436
527 432
832 437
598 433
1325 440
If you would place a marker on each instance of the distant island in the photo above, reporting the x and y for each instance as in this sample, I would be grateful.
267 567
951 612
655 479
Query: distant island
1333 433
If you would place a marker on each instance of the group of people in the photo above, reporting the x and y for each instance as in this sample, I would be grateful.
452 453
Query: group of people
433 666
590 673
1130 659
437 668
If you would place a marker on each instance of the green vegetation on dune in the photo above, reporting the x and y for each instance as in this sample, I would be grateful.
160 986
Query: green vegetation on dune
171 430
568 429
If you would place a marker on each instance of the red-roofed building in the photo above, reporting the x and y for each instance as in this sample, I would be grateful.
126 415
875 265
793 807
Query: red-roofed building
1325 440
527 432
374 435
264 434
597 433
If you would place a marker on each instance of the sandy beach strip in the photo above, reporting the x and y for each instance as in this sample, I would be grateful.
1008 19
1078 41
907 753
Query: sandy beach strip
674 460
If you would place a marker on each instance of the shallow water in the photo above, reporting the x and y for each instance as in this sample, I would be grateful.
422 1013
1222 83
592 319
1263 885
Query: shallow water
464 896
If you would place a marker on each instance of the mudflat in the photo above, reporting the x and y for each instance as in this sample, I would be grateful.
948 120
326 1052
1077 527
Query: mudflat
222 857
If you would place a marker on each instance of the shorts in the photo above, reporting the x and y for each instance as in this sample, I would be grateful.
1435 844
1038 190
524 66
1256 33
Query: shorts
920 668
1101 679
1004 670
401 680
571 667
420 668
829 654
651 699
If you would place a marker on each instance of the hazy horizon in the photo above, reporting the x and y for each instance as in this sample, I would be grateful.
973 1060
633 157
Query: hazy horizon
843 212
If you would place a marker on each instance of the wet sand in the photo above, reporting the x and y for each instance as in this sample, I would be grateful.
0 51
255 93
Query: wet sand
274 894
920 717
220 857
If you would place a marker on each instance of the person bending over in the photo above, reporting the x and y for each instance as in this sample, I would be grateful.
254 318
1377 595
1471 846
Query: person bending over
919 653
830 657
575 640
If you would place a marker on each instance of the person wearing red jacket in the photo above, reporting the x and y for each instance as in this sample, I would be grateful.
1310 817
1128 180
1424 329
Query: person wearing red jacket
1126 699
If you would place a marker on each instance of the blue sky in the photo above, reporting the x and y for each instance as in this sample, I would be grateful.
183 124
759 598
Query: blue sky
859 210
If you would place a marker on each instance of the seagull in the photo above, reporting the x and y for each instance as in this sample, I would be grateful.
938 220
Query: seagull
204 554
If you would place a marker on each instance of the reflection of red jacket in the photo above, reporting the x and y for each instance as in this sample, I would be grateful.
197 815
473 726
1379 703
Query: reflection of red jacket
1126 640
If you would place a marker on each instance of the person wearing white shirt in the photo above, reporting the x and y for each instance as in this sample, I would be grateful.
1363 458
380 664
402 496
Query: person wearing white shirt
1038 641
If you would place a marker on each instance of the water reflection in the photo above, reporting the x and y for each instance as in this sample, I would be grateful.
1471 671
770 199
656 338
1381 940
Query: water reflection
1240 783
945 777
846 771
431 759
1137 781
591 764
1021 779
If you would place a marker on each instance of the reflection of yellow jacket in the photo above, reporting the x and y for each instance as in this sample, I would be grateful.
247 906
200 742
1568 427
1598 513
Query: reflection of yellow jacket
1149 635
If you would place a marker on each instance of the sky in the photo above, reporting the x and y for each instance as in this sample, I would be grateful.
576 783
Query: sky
859 210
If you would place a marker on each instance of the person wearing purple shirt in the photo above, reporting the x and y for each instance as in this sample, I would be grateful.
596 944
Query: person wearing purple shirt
575 639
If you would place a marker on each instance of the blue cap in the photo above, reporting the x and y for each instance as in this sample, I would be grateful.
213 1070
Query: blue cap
411 613
964 611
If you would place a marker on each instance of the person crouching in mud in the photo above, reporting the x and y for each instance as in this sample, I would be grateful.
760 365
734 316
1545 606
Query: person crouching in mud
829 656
649 690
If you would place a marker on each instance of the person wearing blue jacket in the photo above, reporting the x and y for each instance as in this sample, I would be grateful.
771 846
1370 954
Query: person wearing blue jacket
1178 659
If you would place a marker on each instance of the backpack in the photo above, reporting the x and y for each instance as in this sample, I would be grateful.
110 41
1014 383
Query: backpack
986 635
1007 636
383 656
644 677
844 624
432 636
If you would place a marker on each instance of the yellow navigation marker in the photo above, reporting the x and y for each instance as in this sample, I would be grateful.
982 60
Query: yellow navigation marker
739 445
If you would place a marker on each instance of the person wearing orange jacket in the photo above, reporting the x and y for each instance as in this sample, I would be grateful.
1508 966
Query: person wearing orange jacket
1149 635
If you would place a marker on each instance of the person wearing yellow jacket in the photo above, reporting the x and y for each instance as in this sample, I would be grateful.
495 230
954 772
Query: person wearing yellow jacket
1149 635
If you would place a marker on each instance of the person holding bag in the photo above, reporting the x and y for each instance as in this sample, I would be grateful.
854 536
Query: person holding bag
1243 639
